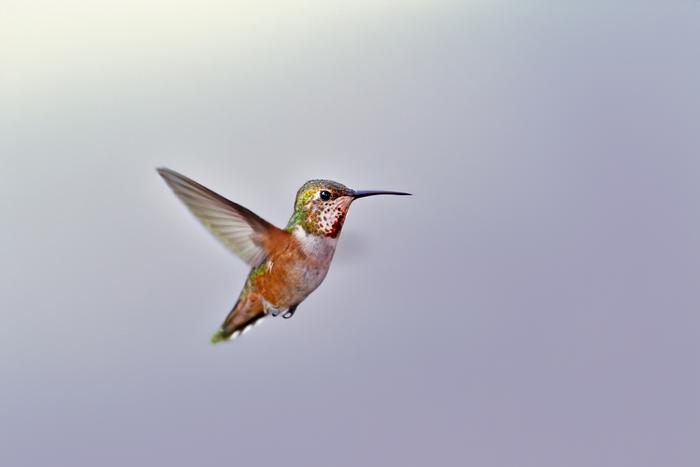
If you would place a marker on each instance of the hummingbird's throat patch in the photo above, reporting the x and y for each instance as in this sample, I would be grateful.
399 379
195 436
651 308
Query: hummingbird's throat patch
327 219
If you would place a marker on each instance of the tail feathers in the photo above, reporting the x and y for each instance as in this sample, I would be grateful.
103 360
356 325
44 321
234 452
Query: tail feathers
224 334
245 314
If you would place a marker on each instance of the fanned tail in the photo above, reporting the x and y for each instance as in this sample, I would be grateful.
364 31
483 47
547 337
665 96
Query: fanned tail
246 313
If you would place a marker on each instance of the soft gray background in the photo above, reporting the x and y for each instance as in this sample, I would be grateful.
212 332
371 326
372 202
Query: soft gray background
534 304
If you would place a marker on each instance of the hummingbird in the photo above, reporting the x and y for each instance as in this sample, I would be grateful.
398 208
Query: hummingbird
286 264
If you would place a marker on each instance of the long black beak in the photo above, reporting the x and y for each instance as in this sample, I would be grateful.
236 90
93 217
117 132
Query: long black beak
363 193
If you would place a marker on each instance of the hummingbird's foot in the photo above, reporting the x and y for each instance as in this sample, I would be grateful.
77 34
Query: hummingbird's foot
274 312
290 312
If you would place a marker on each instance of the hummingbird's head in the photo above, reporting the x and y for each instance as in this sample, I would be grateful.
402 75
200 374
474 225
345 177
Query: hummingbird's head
321 206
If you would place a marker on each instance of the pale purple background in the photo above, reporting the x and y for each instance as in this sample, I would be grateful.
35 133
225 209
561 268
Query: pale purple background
534 304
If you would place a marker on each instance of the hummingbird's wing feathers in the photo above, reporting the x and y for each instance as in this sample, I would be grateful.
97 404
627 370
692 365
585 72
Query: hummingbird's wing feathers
238 228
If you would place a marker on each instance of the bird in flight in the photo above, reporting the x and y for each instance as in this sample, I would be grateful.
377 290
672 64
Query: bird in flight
287 264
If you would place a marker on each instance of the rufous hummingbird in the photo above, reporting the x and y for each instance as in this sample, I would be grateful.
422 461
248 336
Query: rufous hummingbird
287 264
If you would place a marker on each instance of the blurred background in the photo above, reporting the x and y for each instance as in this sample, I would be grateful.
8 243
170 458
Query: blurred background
535 303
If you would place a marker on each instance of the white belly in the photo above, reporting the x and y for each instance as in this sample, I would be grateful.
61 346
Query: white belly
319 251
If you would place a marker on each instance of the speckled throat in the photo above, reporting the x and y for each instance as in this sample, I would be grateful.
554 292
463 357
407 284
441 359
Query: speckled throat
327 219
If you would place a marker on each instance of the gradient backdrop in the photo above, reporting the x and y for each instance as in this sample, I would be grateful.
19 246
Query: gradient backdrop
534 304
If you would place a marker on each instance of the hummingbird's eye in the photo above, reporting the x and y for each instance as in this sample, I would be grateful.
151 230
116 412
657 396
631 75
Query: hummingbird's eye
324 195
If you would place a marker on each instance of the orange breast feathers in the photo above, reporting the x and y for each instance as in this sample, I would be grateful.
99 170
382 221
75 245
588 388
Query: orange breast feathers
280 283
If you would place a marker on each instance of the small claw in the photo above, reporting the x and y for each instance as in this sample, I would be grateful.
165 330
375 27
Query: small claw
289 313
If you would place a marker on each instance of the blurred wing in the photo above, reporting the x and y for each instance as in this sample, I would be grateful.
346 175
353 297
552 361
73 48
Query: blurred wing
239 229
